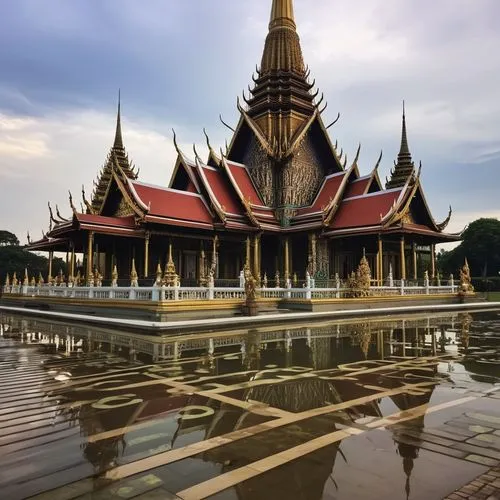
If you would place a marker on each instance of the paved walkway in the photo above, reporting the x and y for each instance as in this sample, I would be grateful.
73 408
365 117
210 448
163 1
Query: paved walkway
485 487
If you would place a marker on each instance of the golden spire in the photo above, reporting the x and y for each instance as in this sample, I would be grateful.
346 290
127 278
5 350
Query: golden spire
282 51
282 14
404 167
118 144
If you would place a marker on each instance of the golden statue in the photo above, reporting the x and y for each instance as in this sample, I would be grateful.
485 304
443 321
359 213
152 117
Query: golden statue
134 277
114 277
359 282
465 279
40 280
15 281
250 285
7 280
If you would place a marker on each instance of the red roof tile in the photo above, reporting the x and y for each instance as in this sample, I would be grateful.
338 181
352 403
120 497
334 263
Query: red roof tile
244 182
364 210
223 190
357 187
128 222
327 192
170 203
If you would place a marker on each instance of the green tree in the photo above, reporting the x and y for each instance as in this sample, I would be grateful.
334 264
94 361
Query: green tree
14 258
480 246
8 239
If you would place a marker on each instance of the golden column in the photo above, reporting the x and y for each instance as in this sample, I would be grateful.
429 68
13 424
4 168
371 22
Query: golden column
90 254
146 255
403 261
414 250
433 261
380 262
249 250
256 257
51 258
72 262
286 264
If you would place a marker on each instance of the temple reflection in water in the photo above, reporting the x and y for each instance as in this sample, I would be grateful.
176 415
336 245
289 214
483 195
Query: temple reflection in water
133 396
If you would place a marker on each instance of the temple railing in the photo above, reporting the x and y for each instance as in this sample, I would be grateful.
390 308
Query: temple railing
235 293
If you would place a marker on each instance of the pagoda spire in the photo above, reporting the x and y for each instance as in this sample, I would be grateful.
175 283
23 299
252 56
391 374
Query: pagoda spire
282 51
118 144
404 155
404 167
282 14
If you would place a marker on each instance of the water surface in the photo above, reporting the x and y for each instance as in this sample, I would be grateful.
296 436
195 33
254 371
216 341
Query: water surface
375 408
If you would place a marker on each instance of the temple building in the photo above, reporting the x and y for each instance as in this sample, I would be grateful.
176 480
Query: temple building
283 197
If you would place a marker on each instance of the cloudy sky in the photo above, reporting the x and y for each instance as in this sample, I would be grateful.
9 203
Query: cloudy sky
179 63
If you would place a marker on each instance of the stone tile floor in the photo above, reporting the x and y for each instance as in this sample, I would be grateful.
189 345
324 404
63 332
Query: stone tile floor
485 487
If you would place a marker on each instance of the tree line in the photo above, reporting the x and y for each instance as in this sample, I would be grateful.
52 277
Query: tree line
15 258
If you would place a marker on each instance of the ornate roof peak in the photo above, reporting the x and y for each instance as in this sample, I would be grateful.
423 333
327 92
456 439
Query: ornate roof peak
282 51
118 143
404 151
404 168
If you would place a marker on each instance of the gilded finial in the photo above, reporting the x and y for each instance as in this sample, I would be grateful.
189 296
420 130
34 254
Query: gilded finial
134 277
73 208
114 277
159 274
332 124
196 155
225 124
90 210
379 159
357 154
118 143
59 215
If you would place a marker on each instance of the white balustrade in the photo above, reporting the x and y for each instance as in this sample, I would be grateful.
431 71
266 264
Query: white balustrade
167 294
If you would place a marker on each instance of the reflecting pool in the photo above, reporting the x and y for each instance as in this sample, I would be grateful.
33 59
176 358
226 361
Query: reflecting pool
380 408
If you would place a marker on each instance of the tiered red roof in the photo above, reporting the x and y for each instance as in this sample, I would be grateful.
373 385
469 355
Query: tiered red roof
170 206
366 210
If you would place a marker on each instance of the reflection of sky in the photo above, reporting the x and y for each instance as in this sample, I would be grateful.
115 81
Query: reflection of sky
63 63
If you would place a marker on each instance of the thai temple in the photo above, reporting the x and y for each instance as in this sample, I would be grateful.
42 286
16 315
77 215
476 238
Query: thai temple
283 197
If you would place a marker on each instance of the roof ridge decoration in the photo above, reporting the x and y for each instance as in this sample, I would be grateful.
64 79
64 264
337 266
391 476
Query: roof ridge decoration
246 203
211 153
331 209
132 201
218 208
396 214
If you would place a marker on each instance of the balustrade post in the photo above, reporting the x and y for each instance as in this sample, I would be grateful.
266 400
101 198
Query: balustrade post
426 283
132 295
176 291
162 293
211 286
308 286
402 287
242 279
452 283
91 292
337 286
